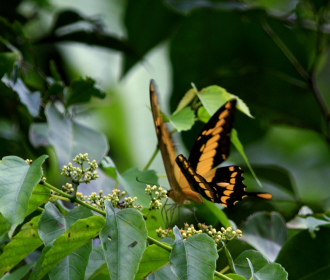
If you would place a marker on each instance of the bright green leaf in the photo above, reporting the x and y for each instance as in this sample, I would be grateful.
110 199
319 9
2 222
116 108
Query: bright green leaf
79 234
17 180
153 259
186 100
203 114
183 120
40 195
123 240
188 257
21 245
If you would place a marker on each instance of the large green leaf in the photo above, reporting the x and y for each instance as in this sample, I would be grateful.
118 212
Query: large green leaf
266 232
17 180
96 265
189 259
53 223
270 272
22 244
153 259
257 260
183 120
123 240
79 234
304 257
40 195
70 138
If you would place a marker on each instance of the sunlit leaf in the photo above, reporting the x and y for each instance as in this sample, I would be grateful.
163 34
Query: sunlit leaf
21 245
183 120
40 195
124 241
186 100
153 259
78 234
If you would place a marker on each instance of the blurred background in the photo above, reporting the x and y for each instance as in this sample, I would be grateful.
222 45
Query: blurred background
272 54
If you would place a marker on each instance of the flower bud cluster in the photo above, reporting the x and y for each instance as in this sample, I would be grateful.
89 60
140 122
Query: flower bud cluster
156 194
79 174
29 161
162 233
98 200
224 234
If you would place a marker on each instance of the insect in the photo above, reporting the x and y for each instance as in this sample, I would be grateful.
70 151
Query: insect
196 177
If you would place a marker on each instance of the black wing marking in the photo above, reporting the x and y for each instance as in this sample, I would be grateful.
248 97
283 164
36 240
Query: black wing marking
213 144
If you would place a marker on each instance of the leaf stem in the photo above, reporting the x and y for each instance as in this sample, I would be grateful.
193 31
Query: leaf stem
151 159
222 276
160 244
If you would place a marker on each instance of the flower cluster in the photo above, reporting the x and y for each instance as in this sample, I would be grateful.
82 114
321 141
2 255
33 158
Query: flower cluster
162 233
98 200
80 174
29 161
156 194
224 234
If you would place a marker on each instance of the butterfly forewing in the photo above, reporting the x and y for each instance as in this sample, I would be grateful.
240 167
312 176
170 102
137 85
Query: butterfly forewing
212 146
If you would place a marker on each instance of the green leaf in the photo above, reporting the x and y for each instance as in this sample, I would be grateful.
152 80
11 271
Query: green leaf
109 167
138 17
203 114
266 232
183 120
19 273
256 258
216 211
235 276
7 62
32 100
188 258
96 264
304 257
38 135
270 272
123 240
186 100
213 97
238 145
53 223
153 259
79 234
4 225
17 180
82 90
130 181
21 245
70 138
40 195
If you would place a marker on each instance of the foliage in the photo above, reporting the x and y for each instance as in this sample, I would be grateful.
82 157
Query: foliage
271 55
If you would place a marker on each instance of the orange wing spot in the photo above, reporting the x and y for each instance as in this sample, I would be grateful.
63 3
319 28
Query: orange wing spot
265 195
208 155
233 181
217 130
210 146
231 168
223 185
204 167
234 175
230 187
202 148
224 114
215 138
224 199
228 193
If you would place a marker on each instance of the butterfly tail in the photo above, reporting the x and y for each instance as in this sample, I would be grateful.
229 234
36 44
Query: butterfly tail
260 194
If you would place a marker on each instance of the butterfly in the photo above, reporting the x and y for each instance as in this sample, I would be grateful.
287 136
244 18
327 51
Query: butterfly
196 177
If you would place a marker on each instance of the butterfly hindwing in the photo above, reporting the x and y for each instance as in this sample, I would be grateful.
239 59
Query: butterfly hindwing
225 186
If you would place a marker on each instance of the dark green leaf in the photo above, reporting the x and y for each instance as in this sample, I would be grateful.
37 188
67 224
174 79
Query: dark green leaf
82 90
19 273
124 241
7 62
266 232
96 264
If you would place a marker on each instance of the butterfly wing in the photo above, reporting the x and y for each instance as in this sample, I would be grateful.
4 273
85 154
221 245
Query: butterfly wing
180 188
213 144
223 185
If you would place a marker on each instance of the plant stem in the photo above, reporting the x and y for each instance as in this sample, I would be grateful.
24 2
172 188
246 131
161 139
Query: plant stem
221 276
160 244
151 159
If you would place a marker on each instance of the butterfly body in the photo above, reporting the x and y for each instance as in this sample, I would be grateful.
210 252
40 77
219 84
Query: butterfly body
197 177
